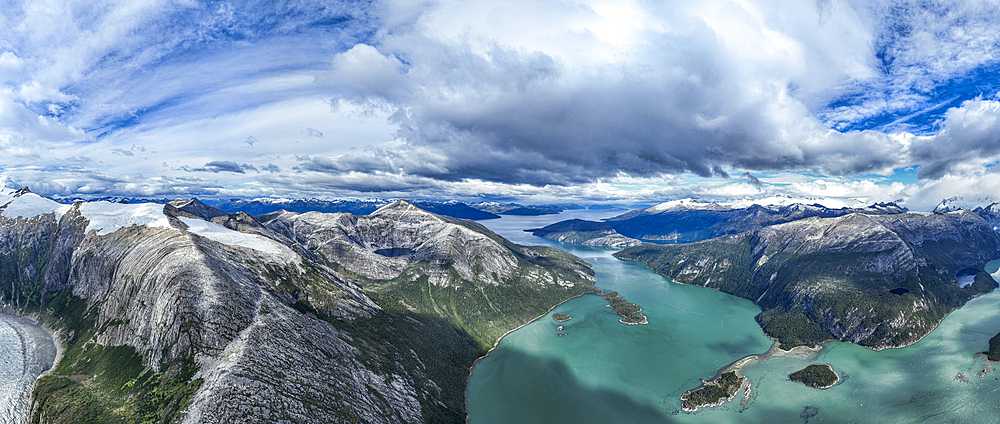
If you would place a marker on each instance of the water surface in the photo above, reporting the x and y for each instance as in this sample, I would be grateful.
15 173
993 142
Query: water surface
25 352
601 371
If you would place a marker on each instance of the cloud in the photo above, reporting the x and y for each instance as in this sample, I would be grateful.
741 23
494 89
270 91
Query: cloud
969 133
690 100
547 100
223 166
312 132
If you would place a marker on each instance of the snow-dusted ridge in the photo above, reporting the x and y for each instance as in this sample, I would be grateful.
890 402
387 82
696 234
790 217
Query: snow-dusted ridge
25 204
106 217
221 234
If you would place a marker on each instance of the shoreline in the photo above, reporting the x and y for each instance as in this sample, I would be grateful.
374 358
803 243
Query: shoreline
736 366
497 343
54 336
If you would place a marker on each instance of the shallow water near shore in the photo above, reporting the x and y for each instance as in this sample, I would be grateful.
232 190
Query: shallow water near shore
26 351
599 370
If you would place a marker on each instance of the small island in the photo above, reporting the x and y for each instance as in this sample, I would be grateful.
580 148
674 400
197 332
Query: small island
712 393
628 311
820 376
561 317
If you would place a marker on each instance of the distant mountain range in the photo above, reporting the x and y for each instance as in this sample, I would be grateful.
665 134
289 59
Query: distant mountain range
687 220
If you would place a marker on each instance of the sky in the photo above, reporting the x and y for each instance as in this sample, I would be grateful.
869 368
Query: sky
532 101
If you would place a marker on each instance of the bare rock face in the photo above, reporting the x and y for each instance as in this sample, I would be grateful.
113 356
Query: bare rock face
173 294
397 236
175 312
447 268
877 280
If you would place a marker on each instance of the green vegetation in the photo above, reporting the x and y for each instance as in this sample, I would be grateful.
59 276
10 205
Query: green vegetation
561 317
819 376
805 296
628 311
712 392
994 353
93 383
426 349
485 310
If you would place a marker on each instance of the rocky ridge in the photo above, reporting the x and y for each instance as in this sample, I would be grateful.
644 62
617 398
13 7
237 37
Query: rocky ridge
689 221
180 312
431 262
877 280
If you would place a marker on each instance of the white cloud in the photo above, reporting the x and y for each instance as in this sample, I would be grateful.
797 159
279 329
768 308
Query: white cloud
630 100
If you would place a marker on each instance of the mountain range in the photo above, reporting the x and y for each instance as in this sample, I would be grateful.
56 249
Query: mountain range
182 312
880 281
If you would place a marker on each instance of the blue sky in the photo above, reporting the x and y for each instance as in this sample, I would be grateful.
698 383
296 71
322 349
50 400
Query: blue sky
551 101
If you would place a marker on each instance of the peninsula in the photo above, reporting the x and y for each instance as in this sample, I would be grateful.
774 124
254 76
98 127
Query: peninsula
880 281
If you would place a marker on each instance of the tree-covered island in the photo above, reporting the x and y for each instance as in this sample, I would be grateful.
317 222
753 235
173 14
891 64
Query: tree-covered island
820 376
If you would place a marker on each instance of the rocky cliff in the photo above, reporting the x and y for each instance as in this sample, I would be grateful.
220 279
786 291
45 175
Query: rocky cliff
180 313
876 280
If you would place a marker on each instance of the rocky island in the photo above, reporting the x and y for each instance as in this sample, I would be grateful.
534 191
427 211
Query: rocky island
880 281
560 317
621 307
820 376
712 393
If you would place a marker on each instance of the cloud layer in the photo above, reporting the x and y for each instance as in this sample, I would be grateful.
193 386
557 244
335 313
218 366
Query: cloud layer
592 100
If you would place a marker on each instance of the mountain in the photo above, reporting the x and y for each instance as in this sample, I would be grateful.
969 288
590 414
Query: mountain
164 315
264 206
453 269
877 280
685 221
516 209
991 213
584 232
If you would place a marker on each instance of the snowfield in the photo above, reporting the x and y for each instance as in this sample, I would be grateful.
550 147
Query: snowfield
216 232
107 217
31 204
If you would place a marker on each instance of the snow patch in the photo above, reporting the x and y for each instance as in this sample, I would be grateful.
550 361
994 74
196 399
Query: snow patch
688 204
30 204
221 234
107 217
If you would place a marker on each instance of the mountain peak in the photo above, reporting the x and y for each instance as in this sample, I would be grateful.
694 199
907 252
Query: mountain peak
399 206
197 208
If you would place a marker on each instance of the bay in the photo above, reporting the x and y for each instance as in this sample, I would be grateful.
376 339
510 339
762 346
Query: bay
599 370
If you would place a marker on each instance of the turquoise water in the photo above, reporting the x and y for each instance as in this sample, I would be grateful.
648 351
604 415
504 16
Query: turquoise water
597 370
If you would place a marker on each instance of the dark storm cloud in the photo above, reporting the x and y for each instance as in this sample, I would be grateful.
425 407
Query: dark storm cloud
524 117
223 166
